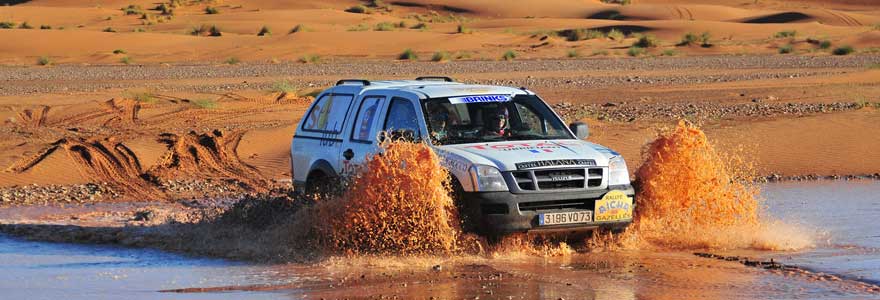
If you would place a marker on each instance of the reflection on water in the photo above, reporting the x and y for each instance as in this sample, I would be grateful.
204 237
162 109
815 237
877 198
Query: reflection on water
844 214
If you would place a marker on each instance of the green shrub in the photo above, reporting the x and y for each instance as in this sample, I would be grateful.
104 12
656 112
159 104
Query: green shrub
573 53
826 44
844 50
145 97
669 52
45 27
420 26
7 25
264 31
584 34
166 9
786 49
621 2
785 34
360 27
282 86
204 103
705 40
441 56
214 31
385 26
132 9
464 29
509 55
688 39
109 29
126 60
25 25
408 54
298 28
647 41
358 9
211 10
616 35
119 51
232 60
44 61
310 58
635 51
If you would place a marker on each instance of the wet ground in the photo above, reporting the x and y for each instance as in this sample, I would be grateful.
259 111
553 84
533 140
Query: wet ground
841 213
845 217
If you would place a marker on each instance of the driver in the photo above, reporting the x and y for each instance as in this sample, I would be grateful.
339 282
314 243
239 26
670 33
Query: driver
496 122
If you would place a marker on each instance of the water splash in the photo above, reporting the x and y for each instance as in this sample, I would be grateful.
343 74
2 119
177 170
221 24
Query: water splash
692 196
397 203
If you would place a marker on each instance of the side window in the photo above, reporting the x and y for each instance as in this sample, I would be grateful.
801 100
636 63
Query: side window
365 122
530 120
402 117
328 114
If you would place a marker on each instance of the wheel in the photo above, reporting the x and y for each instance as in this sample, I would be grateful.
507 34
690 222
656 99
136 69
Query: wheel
468 214
318 185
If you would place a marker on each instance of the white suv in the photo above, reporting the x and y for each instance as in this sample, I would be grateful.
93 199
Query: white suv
515 166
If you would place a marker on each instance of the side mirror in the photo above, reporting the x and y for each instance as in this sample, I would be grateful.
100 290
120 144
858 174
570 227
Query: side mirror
580 129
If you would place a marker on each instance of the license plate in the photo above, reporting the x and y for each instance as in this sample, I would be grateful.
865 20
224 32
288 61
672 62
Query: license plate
565 218
614 206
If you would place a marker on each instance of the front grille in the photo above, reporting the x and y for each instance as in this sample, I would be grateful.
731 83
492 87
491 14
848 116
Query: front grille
558 179
555 204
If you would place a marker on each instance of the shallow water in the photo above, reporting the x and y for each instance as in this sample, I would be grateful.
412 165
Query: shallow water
38 270
844 215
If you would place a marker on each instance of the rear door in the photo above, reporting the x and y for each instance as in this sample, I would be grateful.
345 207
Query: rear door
361 142
319 136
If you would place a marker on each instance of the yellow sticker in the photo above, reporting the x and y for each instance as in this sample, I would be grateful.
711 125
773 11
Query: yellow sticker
614 206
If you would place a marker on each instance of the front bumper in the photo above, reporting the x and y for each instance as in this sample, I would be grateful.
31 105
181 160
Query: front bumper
505 212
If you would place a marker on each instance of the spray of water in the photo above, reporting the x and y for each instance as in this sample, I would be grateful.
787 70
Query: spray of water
396 204
692 196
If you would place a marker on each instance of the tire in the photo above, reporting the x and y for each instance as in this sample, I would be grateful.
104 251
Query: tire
318 185
467 214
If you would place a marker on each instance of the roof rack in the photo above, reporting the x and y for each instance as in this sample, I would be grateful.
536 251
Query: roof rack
361 81
443 78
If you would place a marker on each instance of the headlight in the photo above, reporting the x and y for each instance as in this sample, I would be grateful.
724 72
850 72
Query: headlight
618 174
487 179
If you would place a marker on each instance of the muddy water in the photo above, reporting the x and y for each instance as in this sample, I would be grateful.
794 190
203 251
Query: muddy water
845 217
842 214
38 270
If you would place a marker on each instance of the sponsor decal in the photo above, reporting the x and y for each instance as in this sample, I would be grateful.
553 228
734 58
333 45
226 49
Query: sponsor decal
479 99
614 206
521 146
540 151
554 163
452 161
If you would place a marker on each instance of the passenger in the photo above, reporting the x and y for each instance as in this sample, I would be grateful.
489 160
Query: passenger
495 123
439 122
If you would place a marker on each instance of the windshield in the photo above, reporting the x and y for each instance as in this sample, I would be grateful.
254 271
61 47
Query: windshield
491 118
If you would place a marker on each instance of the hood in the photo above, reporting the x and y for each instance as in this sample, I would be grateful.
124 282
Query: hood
506 155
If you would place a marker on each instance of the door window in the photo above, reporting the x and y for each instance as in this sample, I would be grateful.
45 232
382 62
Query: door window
366 119
402 120
328 114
